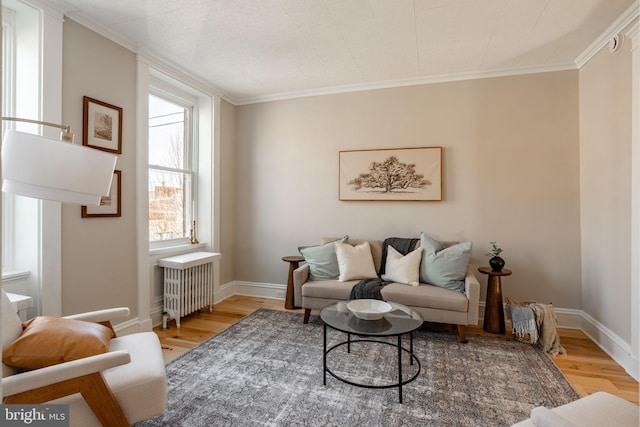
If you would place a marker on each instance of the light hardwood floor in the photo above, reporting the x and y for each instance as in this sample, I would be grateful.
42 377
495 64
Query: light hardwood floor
586 366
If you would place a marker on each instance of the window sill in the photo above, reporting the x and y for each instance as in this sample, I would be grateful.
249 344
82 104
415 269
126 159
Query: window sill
176 250
14 276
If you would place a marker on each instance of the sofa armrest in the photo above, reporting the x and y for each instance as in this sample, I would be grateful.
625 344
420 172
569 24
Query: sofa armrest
300 277
472 291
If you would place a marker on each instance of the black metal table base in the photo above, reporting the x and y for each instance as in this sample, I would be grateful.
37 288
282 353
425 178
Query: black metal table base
399 384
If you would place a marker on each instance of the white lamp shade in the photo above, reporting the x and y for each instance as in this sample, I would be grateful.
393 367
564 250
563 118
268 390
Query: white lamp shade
40 167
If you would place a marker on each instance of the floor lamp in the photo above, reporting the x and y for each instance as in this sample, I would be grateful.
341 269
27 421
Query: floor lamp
44 168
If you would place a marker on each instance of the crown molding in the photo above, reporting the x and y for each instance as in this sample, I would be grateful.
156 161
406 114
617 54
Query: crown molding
167 67
616 27
103 30
150 56
388 84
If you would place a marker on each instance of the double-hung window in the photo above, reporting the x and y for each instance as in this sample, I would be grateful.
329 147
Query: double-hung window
172 168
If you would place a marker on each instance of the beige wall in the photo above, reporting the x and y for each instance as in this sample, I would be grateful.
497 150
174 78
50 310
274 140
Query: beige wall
538 162
605 182
99 254
511 174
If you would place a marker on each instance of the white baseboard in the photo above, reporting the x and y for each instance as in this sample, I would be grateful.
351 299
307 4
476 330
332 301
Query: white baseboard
618 349
131 326
569 318
263 290
612 344
605 338
156 311
227 290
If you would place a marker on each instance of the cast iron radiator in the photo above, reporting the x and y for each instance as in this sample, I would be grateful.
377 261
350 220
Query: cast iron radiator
188 283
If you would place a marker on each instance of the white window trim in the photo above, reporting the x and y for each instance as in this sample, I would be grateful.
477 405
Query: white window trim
171 93
8 109
634 34
47 270
208 186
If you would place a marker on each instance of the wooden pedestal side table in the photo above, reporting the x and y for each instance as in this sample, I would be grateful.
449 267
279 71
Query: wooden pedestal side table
494 311
294 262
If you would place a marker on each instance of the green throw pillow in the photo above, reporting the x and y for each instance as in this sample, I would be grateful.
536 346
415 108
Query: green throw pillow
322 260
444 267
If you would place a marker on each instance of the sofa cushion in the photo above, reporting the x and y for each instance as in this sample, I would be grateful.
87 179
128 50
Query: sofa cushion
402 268
355 262
323 264
48 341
426 296
444 267
328 289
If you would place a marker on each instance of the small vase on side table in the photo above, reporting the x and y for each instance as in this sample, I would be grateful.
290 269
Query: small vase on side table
496 263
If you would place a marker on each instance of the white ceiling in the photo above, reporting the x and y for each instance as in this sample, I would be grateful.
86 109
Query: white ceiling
253 50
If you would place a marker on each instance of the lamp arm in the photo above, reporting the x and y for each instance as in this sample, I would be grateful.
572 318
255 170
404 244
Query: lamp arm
65 135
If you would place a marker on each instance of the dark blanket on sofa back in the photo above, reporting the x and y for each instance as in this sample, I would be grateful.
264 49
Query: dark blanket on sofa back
370 288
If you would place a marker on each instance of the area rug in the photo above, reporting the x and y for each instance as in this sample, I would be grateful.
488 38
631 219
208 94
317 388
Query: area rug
266 370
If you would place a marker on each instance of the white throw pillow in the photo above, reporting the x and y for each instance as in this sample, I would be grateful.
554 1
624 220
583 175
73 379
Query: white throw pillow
355 262
403 268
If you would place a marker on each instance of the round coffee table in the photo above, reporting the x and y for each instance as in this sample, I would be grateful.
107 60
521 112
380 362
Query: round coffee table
401 321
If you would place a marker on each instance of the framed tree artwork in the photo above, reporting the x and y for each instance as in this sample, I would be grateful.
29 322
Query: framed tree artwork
102 126
393 174
111 205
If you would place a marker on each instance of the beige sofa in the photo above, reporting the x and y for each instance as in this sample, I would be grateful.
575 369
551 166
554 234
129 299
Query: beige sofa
436 304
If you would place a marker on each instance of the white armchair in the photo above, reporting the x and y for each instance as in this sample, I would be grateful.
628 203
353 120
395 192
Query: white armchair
597 409
118 388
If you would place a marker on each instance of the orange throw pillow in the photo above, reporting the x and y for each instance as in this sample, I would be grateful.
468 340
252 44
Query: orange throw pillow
47 341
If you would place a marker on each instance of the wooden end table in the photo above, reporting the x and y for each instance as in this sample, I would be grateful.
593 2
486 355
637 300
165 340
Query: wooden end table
494 311
294 262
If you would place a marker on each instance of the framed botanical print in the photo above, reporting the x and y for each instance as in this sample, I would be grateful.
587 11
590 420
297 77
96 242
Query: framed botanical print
392 174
